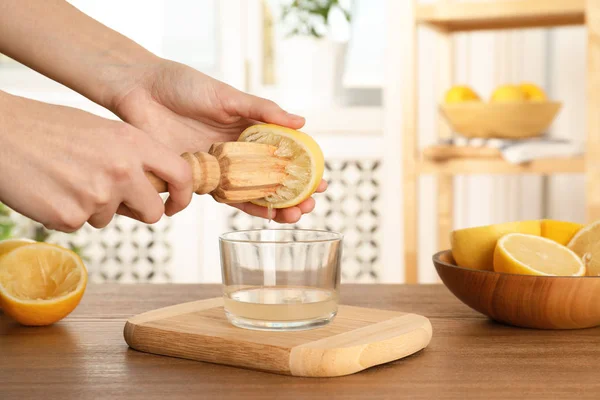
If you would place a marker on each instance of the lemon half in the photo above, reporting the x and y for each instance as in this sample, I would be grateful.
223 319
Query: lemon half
8 245
517 253
41 283
305 168
586 244
474 247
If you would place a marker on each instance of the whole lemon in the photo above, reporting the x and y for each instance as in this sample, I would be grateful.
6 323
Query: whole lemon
533 92
459 94
474 247
508 94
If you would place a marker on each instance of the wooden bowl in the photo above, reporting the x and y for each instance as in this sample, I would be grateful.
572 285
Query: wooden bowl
500 120
542 302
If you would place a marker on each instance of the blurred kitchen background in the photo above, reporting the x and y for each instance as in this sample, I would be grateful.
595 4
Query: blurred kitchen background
345 80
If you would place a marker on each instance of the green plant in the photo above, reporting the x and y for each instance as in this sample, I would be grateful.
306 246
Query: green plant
311 17
6 224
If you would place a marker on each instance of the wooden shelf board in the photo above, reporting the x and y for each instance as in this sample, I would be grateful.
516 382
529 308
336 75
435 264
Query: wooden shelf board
501 14
471 166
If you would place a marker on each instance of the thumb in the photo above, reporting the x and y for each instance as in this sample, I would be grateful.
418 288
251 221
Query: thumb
256 108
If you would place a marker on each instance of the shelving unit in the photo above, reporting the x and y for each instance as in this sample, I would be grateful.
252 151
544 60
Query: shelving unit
446 18
501 14
464 166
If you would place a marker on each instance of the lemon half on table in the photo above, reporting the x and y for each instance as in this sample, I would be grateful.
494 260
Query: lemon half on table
305 168
41 283
8 245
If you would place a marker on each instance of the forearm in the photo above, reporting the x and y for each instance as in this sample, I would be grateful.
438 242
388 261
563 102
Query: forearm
57 40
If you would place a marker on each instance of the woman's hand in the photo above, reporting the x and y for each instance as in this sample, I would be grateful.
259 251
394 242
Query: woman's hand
62 167
174 104
188 111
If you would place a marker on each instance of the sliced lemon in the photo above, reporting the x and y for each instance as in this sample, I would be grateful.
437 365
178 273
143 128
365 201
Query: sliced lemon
517 253
586 244
560 231
474 247
508 94
533 92
8 245
460 94
41 283
305 169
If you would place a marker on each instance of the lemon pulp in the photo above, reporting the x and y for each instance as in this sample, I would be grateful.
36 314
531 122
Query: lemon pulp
304 169
41 283
525 254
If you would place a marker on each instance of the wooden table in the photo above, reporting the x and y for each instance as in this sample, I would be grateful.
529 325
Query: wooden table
85 356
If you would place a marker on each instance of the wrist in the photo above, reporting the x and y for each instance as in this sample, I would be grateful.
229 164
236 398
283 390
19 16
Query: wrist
122 72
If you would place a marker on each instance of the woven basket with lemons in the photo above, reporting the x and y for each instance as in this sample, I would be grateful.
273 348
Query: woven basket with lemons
512 112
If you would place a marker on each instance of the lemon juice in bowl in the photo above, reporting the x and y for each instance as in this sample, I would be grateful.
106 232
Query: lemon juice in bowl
280 279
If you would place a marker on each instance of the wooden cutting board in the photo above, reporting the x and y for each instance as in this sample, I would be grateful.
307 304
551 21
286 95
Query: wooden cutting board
358 338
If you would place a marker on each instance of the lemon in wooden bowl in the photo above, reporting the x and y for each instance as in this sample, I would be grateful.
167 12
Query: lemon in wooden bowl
531 280
528 301
460 94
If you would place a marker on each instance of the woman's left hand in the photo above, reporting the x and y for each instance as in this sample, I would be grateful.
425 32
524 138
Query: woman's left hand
189 111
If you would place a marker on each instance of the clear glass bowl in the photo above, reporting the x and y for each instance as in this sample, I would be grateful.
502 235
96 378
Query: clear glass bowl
280 279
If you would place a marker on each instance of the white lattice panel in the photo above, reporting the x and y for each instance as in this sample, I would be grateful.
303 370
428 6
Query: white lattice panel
125 251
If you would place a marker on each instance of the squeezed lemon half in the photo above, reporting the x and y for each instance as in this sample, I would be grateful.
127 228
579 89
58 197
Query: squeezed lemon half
41 283
305 168
8 245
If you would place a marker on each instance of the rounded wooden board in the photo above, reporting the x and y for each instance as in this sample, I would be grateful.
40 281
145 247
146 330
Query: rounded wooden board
357 339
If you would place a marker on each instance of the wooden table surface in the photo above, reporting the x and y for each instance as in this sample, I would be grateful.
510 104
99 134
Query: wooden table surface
85 356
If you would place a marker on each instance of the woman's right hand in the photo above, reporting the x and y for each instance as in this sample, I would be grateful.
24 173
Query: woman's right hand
63 167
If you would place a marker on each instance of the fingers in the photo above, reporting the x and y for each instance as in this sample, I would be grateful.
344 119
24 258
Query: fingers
103 217
307 205
289 215
254 210
142 200
256 108
174 170
125 211
322 186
